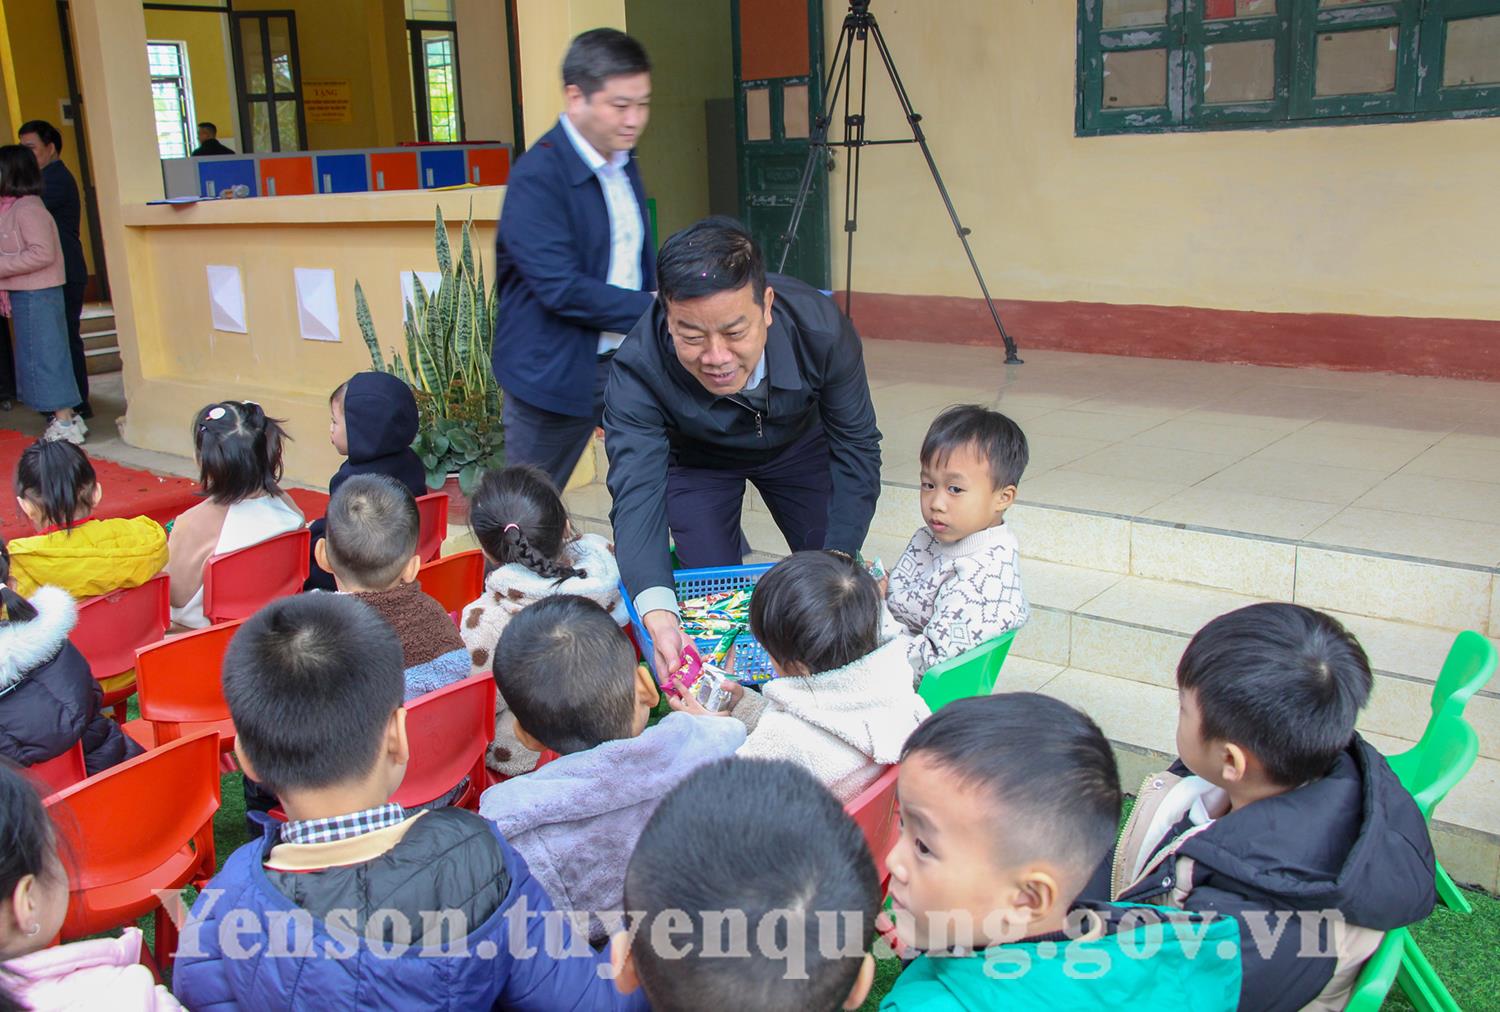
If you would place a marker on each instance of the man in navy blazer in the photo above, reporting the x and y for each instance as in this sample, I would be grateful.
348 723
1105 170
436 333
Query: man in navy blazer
574 265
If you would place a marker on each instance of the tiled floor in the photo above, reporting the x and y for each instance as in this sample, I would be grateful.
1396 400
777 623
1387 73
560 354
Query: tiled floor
1394 464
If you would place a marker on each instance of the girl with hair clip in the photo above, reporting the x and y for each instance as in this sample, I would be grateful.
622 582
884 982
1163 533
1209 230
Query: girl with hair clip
49 699
523 528
238 450
96 973
57 490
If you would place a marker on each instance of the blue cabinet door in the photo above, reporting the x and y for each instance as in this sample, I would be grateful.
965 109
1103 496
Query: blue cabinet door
217 175
343 173
442 167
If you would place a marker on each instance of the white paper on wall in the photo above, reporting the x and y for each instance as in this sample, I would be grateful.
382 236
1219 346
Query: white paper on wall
430 281
226 298
317 304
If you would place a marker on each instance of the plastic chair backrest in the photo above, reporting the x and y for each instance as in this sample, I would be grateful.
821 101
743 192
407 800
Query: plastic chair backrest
455 580
432 508
971 673
1470 664
448 731
60 772
1378 974
180 679
112 626
237 584
875 813
1444 756
132 825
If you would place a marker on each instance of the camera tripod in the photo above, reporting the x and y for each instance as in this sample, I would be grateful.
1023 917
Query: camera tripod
859 27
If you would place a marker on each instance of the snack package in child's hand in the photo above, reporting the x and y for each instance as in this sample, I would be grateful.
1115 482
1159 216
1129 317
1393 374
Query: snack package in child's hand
687 672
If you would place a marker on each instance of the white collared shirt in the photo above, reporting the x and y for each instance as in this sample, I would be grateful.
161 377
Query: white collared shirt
627 233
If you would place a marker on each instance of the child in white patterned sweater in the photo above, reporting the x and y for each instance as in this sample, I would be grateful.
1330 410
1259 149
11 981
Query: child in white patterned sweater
958 583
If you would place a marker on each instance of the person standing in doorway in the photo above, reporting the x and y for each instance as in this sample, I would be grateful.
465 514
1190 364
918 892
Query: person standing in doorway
60 194
574 269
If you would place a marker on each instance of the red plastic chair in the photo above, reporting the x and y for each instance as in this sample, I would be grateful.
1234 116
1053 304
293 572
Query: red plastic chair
144 825
433 510
448 730
60 772
110 628
875 812
181 687
455 580
237 584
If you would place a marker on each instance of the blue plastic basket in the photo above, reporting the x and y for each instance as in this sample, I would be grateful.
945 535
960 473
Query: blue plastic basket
751 665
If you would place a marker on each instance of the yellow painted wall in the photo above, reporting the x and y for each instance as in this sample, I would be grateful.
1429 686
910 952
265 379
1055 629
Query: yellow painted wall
546 27
209 67
1384 220
484 63
691 61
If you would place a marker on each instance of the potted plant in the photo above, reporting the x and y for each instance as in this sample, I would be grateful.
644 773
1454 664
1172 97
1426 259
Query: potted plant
449 334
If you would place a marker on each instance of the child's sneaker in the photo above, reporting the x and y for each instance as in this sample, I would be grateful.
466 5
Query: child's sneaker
73 430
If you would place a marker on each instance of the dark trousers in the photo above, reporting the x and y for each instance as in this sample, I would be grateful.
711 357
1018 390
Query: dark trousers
703 504
73 308
548 440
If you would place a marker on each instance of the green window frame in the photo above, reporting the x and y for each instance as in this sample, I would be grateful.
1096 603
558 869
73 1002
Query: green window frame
1174 42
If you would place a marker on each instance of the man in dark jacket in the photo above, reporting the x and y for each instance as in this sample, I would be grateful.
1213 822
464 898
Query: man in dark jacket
209 143
733 376
573 265
1278 814
60 194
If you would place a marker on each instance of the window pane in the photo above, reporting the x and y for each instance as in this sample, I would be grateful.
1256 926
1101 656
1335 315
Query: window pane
260 126
442 86
254 56
1357 63
286 126
164 59
429 10
1132 13
1216 10
1472 53
166 99
1135 78
794 111
281 54
757 114
1239 71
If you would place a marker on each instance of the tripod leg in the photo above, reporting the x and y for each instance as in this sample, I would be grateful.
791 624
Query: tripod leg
838 74
854 142
915 119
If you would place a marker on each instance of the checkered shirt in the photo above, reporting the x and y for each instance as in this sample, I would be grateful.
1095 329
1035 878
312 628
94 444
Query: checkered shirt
341 827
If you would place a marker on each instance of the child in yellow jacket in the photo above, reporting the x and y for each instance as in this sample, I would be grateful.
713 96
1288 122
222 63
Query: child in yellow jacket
57 489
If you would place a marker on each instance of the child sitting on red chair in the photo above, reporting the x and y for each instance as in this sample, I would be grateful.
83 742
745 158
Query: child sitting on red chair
569 676
392 908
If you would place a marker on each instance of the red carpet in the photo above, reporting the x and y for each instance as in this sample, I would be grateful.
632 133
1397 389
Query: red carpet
128 491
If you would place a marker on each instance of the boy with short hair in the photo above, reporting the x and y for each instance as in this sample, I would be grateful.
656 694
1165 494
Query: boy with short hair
570 678
751 889
958 583
1008 803
354 902
372 420
1278 814
371 549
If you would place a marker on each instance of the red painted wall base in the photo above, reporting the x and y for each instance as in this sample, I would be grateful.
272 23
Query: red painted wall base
1467 349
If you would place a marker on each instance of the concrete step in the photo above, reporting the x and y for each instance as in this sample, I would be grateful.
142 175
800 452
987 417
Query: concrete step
1141 721
100 345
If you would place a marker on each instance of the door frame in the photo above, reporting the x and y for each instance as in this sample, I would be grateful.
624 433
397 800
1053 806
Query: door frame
414 31
244 97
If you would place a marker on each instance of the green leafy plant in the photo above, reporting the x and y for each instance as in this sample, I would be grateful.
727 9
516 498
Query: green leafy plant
449 334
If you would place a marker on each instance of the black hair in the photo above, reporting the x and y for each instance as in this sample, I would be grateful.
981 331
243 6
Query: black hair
372 531
311 682
813 861
208 125
56 476
518 516
597 55
45 132
816 609
27 840
17 608
239 451
1047 769
993 436
710 256
567 672
1283 681
19 174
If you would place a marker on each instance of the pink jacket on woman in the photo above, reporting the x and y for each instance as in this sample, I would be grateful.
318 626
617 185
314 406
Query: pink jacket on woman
30 254
97 973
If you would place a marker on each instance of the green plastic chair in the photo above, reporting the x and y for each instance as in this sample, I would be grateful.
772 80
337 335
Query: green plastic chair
1399 961
971 673
1470 664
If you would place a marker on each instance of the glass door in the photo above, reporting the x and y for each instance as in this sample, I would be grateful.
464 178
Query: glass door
434 76
270 80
